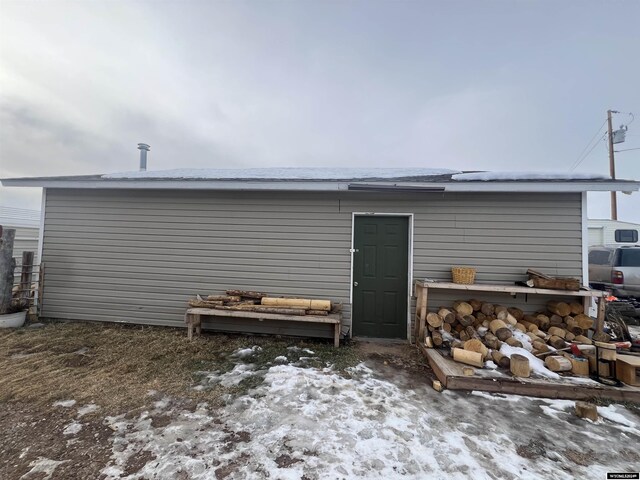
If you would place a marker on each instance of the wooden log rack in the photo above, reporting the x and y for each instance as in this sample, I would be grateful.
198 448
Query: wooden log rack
193 319
421 292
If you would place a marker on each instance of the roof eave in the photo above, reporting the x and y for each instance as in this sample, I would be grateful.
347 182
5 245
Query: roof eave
328 186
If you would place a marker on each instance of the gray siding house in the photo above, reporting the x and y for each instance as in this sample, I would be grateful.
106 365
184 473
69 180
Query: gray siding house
134 247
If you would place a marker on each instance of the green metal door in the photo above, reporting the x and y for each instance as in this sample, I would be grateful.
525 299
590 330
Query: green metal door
380 276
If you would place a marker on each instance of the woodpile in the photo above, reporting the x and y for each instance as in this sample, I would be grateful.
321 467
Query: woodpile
476 331
245 300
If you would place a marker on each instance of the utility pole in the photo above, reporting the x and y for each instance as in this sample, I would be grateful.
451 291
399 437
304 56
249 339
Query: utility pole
612 167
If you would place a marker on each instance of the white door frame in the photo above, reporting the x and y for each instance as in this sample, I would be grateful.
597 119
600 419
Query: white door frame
410 261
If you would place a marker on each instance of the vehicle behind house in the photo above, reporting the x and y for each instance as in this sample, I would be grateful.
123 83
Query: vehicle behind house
615 268
613 232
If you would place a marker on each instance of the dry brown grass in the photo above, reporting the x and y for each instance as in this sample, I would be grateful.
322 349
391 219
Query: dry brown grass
116 365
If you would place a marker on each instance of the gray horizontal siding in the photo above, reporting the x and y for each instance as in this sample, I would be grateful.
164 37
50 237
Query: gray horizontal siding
136 256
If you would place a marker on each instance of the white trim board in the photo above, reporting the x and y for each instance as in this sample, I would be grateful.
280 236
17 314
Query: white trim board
326 186
410 217
36 296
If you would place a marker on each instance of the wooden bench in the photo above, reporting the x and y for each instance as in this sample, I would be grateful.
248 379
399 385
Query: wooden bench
193 319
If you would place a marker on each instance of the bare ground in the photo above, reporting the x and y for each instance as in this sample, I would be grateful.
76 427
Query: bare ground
130 382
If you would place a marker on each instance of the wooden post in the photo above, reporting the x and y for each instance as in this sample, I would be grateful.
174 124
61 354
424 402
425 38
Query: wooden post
25 275
336 335
7 267
602 304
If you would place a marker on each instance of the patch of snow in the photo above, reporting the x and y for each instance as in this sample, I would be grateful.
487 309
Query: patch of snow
280 359
162 404
612 413
73 428
537 365
231 378
89 408
64 403
522 338
43 465
292 173
152 393
489 176
246 352
24 452
490 364
309 352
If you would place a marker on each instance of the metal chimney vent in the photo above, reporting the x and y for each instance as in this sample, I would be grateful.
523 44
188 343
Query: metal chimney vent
144 148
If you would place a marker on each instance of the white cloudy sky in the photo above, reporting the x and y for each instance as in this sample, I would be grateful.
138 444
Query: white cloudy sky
464 84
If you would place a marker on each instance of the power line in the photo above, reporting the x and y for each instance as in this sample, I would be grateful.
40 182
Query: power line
627 149
580 157
576 165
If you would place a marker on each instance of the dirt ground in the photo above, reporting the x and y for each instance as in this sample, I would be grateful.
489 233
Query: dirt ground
92 401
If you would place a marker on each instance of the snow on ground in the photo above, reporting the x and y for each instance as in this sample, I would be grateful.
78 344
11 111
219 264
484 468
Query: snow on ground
42 468
284 173
65 403
73 428
368 424
488 176
89 408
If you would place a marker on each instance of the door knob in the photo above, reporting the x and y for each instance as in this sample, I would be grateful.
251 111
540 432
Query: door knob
355 284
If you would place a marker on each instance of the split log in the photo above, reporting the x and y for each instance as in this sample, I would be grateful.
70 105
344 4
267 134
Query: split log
457 343
464 336
556 363
475 345
437 386
584 321
500 330
506 317
468 357
225 298
501 360
520 366
471 332
432 329
499 308
492 341
447 315
540 346
463 308
488 309
486 322
318 313
468 371
465 320
446 327
569 337
521 327
533 337
555 320
475 304
587 410
557 342
559 308
246 294
513 342
428 342
437 338
558 332
516 312
458 328
533 319
544 321
576 308
434 319
480 316
309 304
583 339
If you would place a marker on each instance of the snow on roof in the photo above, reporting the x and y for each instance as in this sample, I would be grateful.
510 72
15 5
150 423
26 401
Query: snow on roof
489 176
284 173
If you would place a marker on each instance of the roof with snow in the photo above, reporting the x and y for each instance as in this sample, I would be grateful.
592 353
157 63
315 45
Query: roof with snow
327 179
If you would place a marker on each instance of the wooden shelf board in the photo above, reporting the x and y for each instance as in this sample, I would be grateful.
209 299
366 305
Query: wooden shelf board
514 289
213 312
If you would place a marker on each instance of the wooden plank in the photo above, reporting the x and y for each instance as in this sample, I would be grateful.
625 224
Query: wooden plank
336 335
264 316
602 304
514 289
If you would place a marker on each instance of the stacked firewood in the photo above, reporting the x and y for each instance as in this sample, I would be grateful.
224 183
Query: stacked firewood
242 300
476 330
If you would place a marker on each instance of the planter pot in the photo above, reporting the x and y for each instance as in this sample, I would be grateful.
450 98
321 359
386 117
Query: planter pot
13 320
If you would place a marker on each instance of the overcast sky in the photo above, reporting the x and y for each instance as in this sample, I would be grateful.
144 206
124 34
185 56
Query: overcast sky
495 85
